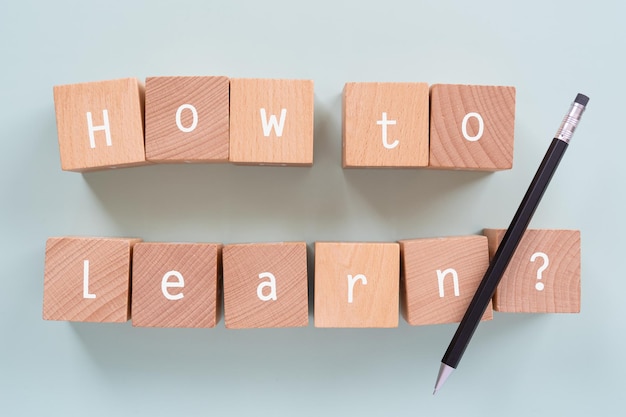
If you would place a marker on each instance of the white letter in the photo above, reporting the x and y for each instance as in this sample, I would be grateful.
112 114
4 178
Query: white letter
455 278
273 123
351 282
86 280
481 126
384 122
105 127
165 285
271 284
194 122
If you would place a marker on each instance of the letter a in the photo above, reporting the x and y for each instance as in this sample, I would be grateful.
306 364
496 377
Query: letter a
351 281
271 284
441 276
105 127
273 123
86 280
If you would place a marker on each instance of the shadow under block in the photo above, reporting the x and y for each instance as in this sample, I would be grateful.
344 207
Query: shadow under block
271 122
87 279
176 284
187 119
543 275
440 277
385 125
100 124
265 285
356 284
471 127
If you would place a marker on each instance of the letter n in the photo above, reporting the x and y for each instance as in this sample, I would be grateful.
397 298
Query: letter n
441 276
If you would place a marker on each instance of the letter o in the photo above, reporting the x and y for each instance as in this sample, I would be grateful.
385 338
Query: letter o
194 122
481 126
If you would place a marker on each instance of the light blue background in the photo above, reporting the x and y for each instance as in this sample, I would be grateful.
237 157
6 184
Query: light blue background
517 365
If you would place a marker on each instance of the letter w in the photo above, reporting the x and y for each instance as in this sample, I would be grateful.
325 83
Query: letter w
273 123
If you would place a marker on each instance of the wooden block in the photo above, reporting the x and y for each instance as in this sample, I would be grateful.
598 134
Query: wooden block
265 285
100 124
543 275
440 277
471 127
356 284
187 119
176 284
271 122
385 125
87 279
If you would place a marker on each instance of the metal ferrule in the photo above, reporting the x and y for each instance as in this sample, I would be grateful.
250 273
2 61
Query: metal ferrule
570 122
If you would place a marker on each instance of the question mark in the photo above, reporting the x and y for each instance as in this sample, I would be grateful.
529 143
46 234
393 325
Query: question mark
539 286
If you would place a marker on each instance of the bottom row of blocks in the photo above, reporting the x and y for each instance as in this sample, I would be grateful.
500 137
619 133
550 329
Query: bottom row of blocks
266 284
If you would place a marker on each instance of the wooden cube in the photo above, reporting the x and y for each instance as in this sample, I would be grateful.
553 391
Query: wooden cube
471 127
265 285
440 277
356 284
271 122
87 279
543 275
385 125
100 124
176 284
187 119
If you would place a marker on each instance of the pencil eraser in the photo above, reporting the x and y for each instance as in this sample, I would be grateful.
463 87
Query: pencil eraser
581 99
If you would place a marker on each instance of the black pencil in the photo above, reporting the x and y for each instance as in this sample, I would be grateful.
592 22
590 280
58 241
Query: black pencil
511 240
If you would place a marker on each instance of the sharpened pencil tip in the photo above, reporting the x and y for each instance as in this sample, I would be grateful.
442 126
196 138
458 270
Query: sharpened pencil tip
444 372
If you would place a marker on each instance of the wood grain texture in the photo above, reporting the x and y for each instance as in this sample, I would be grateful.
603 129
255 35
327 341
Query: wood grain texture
205 137
424 261
560 279
374 303
109 261
450 105
245 273
248 143
123 101
406 117
195 304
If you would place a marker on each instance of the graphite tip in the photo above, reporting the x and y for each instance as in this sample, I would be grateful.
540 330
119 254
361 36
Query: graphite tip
581 99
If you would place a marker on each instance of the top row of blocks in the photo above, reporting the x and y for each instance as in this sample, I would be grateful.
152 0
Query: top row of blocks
270 122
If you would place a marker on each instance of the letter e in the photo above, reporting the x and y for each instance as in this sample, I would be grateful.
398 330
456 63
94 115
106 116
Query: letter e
165 284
